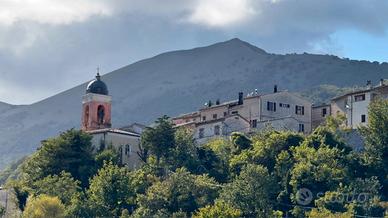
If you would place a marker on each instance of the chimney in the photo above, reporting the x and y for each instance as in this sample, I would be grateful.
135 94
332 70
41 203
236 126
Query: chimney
240 98
218 102
275 88
368 84
381 82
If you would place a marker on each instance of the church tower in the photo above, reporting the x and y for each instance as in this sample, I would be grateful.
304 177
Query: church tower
96 106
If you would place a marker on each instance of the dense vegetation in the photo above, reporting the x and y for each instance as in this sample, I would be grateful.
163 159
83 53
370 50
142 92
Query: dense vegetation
265 174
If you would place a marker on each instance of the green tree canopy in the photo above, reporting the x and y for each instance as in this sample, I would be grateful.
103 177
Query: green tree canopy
266 146
252 192
44 206
219 209
110 191
70 152
240 141
62 186
158 140
180 192
376 142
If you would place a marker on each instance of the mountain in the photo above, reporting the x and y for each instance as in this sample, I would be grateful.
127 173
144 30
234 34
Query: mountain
177 82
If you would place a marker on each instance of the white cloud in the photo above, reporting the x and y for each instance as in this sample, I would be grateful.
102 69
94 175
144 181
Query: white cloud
50 45
51 11
220 13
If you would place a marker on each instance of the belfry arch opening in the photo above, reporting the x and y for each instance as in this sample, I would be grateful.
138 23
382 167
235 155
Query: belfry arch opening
86 116
100 114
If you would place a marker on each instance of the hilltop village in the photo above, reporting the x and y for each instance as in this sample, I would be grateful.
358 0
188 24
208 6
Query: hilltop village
257 156
280 110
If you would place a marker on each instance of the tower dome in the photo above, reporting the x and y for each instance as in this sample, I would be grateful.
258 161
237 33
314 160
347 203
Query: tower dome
97 86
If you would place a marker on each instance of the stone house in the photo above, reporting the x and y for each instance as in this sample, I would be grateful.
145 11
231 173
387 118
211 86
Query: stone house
353 105
282 110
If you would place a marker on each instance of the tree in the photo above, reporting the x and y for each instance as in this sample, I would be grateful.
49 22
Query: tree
107 155
252 192
71 152
361 195
62 186
376 142
240 141
180 192
80 206
325 213
158 140
21 192
2 210
266 146
282 174
125 214
219 209
184 151
318 170
221 147
212 164
110 191
327 135
44 206
266 150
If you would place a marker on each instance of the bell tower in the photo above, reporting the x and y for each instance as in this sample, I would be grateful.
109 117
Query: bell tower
96 106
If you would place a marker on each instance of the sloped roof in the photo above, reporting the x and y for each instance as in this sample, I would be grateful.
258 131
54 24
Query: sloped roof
115 131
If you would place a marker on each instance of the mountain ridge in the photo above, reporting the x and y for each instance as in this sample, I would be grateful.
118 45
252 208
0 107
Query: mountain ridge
176 82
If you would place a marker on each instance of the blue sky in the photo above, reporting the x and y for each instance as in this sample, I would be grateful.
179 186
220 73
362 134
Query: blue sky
362 46
48 46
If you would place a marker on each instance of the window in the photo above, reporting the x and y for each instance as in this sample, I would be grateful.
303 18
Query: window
128 150
234 112
214 116
324 112
217 130
225 114
284 105
254 123
204 118
359 97
299 110
271 106
363 118
201 133
121 151
301 127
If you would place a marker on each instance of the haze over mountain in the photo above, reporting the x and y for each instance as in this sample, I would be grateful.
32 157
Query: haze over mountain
177 82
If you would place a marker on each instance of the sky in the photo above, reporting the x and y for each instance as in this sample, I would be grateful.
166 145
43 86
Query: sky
48 46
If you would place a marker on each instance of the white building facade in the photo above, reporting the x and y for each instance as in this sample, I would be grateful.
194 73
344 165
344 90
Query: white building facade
280 110
355 105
